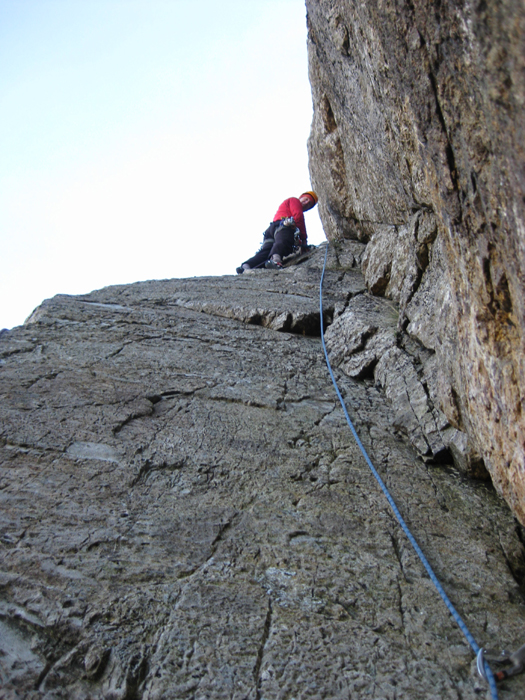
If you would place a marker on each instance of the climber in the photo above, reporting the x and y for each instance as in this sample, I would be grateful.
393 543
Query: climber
279 237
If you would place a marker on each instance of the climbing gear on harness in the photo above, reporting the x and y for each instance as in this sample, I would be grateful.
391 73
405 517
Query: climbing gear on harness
517 659
484 665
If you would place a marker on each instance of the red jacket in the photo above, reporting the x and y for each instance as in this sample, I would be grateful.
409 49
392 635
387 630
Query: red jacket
293 207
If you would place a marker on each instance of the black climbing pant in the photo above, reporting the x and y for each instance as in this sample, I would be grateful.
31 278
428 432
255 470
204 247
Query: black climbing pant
278 240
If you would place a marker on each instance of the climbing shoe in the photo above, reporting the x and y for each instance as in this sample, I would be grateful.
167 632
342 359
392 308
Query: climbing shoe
242 269
273 265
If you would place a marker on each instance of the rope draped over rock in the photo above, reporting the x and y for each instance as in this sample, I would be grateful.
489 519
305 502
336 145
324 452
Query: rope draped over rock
488 675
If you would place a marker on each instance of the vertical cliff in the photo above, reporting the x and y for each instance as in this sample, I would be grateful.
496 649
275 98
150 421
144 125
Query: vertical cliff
417 148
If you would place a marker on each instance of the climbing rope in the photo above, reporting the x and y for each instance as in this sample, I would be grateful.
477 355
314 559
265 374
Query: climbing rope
482 664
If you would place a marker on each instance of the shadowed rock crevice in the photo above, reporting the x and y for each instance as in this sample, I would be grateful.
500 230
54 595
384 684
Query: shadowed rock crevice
308 324
260 654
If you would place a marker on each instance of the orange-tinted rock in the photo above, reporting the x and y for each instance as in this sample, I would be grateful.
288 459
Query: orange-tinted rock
419 121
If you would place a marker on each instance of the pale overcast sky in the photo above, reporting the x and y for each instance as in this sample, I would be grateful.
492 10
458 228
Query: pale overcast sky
145 139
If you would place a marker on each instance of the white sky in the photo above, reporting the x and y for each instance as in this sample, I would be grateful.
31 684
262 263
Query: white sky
145 139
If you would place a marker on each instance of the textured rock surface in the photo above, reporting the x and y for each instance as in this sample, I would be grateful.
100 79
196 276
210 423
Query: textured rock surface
185 514
418 147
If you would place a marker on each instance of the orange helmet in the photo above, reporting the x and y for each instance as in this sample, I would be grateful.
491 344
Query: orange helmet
312 195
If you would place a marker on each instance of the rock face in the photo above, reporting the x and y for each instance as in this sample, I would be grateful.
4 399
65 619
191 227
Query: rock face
418 148
185 513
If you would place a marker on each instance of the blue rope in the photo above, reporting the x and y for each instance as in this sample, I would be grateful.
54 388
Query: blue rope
446 600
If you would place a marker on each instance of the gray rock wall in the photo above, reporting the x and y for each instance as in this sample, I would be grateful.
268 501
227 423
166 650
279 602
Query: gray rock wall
417 148
185 514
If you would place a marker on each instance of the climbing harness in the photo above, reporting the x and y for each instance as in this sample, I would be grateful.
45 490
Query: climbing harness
287 222
483 667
